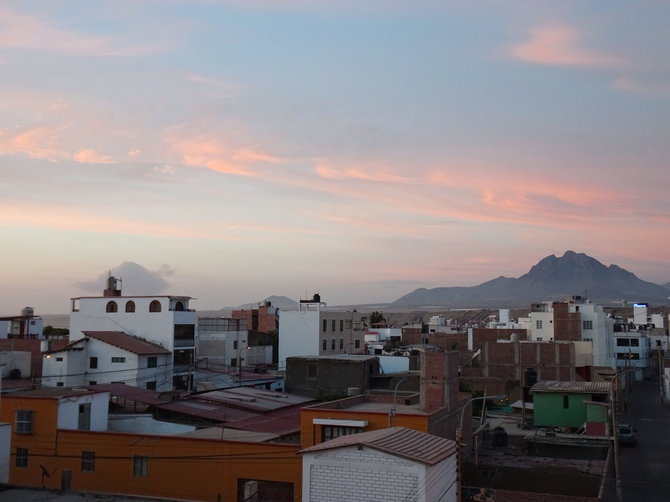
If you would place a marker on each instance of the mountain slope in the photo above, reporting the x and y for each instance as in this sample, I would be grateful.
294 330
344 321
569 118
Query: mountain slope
552 278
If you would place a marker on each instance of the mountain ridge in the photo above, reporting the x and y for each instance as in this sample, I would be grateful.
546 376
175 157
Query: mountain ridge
552 278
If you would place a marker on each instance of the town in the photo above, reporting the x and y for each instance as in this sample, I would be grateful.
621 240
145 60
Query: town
144 396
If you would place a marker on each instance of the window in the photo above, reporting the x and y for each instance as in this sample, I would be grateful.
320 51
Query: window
184 335
235 344
92 382
324 344
335 431
311 370
93 363
130 306
140 465
341 343
634 342
151 385
341 324
112 307
21 457
332 325
627 355
622 342
88 461
152 362
357 344
118 359
332 344
59 359
587 325
325 325
179 306
155 306
60 384
233 361
24 421
538 324
566 402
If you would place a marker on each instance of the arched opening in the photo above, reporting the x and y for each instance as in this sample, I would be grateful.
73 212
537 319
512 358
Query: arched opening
112 307
179 306
130 306
155 306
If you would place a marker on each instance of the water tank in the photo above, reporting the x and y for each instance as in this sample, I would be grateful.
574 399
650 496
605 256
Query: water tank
112 283
317 298
27 311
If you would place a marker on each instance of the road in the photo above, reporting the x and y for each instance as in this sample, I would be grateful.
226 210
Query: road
645 467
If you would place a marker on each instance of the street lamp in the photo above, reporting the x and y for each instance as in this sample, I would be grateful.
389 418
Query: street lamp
459 432
395 392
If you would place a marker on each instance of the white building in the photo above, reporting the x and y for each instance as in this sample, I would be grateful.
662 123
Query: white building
387 465
103 357
222 342
26 325
315 329
164 320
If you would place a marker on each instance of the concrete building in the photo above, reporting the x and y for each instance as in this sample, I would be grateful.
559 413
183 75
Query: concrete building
108 357
222 342
164 320
387 465
26 326
315 329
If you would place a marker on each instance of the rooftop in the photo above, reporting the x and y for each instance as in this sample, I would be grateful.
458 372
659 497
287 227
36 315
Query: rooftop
400 441
563 387
127 342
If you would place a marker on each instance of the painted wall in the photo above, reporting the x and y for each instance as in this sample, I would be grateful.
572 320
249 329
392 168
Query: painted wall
68 411
298 334
549 409
5 451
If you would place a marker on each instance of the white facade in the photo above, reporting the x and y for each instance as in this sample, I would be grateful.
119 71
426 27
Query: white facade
632 351
90 361
363 473
223 342
85 412
316 330
163 320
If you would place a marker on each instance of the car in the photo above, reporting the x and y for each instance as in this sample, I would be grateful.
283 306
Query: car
627 435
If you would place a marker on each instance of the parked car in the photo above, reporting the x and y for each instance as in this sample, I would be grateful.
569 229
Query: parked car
627 435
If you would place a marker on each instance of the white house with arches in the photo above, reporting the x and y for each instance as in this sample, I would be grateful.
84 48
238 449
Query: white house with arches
164 320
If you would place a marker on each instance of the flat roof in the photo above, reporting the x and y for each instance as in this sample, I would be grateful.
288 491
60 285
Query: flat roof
53 392
566 386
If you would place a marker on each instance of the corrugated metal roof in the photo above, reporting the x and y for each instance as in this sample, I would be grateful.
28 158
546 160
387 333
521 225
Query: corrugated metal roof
400 441
565 386
127 342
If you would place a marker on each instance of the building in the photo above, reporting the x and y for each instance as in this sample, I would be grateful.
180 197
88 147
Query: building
571 404
60 441
314 329
108 357
387 465
222 342
163 320
330 376
25 326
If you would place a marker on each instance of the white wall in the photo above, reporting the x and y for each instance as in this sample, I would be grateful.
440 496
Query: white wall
68 411
145 424
15 360
393 364
373 476
298 334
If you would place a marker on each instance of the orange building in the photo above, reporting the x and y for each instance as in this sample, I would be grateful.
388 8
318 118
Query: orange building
57 442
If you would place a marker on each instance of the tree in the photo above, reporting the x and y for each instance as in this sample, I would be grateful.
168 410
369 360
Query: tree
376 317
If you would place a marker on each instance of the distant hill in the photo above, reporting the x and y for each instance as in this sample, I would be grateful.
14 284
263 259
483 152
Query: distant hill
281 302
552 278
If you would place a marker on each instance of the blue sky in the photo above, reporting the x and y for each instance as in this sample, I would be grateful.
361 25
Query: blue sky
238 149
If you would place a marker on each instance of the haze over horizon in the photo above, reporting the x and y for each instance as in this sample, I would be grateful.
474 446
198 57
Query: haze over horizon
231 150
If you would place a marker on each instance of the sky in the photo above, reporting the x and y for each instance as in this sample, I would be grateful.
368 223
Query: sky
232 150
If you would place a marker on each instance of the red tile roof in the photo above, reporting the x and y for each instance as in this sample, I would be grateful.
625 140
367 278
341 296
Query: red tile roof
127 342
399 441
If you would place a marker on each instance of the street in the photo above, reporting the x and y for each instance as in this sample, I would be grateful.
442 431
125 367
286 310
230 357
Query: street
645 467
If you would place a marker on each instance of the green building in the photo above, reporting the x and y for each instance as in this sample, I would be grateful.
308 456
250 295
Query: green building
570 404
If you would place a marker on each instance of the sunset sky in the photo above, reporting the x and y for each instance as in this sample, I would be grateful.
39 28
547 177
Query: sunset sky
232 150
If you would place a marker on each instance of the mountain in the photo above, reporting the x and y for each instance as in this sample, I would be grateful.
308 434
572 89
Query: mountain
281 302
552 278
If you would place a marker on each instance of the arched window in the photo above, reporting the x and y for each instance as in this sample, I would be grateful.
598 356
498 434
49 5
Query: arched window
112 307
155 306
130 306
179 306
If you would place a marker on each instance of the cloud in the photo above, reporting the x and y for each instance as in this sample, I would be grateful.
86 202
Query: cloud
559 44
352 173
90 156
642 86
40 142
136 279
23 31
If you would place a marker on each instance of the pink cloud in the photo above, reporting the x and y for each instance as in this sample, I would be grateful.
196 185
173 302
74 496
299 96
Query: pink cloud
39 142
90 156
358 173
23 31
557 44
